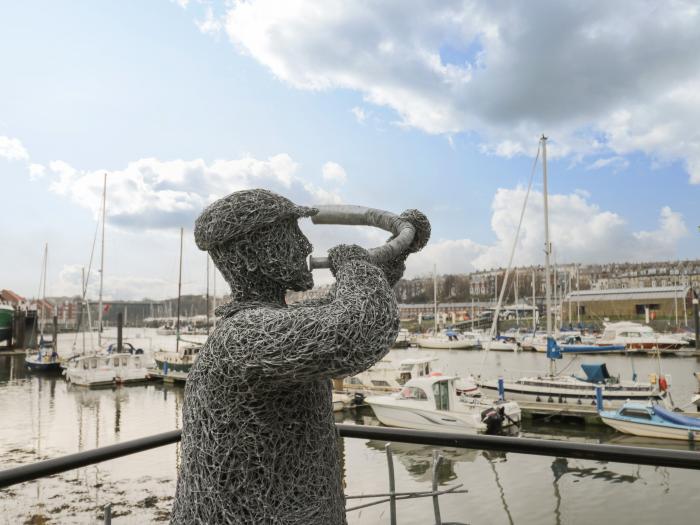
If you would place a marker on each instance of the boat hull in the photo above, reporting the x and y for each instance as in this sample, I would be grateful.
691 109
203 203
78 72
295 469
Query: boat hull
568 396
416 419
651 430
43 367
438 344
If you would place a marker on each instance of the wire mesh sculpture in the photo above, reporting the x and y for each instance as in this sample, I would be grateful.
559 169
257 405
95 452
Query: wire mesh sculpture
259 440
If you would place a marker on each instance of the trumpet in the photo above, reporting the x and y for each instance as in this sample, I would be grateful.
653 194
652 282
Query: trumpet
345 214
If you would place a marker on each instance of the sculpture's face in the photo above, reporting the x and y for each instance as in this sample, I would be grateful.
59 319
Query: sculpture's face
285 262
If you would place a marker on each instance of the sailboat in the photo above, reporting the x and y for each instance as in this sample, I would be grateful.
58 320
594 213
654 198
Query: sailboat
560 389
176 365
46 359
447 339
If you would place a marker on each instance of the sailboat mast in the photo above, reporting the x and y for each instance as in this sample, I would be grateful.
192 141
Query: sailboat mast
547 244
435 299
534 304
547 251
102 262
43 295
179 294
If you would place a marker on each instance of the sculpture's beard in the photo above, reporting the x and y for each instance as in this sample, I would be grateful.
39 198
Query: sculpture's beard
298 278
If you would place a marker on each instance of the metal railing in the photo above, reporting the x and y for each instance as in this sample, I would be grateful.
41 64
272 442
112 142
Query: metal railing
540 447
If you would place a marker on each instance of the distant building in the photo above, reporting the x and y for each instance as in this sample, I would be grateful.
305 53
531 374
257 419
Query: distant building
661 302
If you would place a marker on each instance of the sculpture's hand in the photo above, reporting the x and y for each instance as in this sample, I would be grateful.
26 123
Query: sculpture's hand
422 225
338 255
393 269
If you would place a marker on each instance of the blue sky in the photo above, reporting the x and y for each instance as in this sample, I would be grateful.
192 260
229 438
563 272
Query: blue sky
416 109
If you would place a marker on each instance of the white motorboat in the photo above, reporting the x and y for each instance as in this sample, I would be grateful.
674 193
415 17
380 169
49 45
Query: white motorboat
403 339
100 370
91 370
449 340
432 403
561 389
639 337
501 344
386 376
650 420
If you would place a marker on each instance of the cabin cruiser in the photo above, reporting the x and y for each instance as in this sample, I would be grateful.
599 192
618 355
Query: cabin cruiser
101 370
431 403
180 361
636 337
448 340
386 376
572 389
501 344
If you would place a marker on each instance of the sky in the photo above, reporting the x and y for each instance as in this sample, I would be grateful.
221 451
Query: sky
391 104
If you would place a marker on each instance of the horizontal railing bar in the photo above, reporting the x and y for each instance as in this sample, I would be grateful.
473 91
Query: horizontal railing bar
541 447
685 459
49 467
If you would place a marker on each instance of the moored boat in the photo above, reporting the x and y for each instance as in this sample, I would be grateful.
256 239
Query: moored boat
654 421
6 315
386 376
432 403
567 389
448 340
639 337
91 371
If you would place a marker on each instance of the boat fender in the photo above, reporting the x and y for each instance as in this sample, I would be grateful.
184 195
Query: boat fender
663 384
435 374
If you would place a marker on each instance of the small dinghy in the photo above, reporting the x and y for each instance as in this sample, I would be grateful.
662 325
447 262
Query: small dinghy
650 420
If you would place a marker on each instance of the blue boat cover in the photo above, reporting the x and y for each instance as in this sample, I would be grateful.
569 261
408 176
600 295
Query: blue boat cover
676 418
572 349
596 373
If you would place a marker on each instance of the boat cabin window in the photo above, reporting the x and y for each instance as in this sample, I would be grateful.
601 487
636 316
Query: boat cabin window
608 334
354 381
85 365
442 395
413 392
379 382
123 361
631 412
93 363
403 378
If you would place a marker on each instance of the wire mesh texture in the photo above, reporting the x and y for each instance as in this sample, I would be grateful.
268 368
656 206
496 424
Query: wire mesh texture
259 444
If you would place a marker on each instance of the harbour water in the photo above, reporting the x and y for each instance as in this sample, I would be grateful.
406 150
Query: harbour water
43 417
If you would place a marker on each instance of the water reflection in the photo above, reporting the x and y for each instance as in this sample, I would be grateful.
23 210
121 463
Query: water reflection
418 459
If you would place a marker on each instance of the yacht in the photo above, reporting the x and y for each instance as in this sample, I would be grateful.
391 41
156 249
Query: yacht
101 370
180 361
638 337
432 403
449 340
386 376
569 389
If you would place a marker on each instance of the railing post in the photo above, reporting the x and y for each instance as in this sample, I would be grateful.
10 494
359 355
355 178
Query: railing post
437 460
501 389
392 484
108 514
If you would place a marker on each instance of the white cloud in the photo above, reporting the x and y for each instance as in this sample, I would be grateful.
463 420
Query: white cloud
210 25
12 149
36 171
150 193
600 78
360 114
334 172
580 232
115 287
181 3
616 164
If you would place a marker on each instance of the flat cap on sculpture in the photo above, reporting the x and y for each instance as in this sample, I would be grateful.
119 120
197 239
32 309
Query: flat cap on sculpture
241 213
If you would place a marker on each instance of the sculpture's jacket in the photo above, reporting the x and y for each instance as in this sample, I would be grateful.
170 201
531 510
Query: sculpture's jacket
259 443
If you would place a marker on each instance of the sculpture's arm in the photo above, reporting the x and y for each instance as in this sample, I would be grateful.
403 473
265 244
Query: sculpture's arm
343 337
318 301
